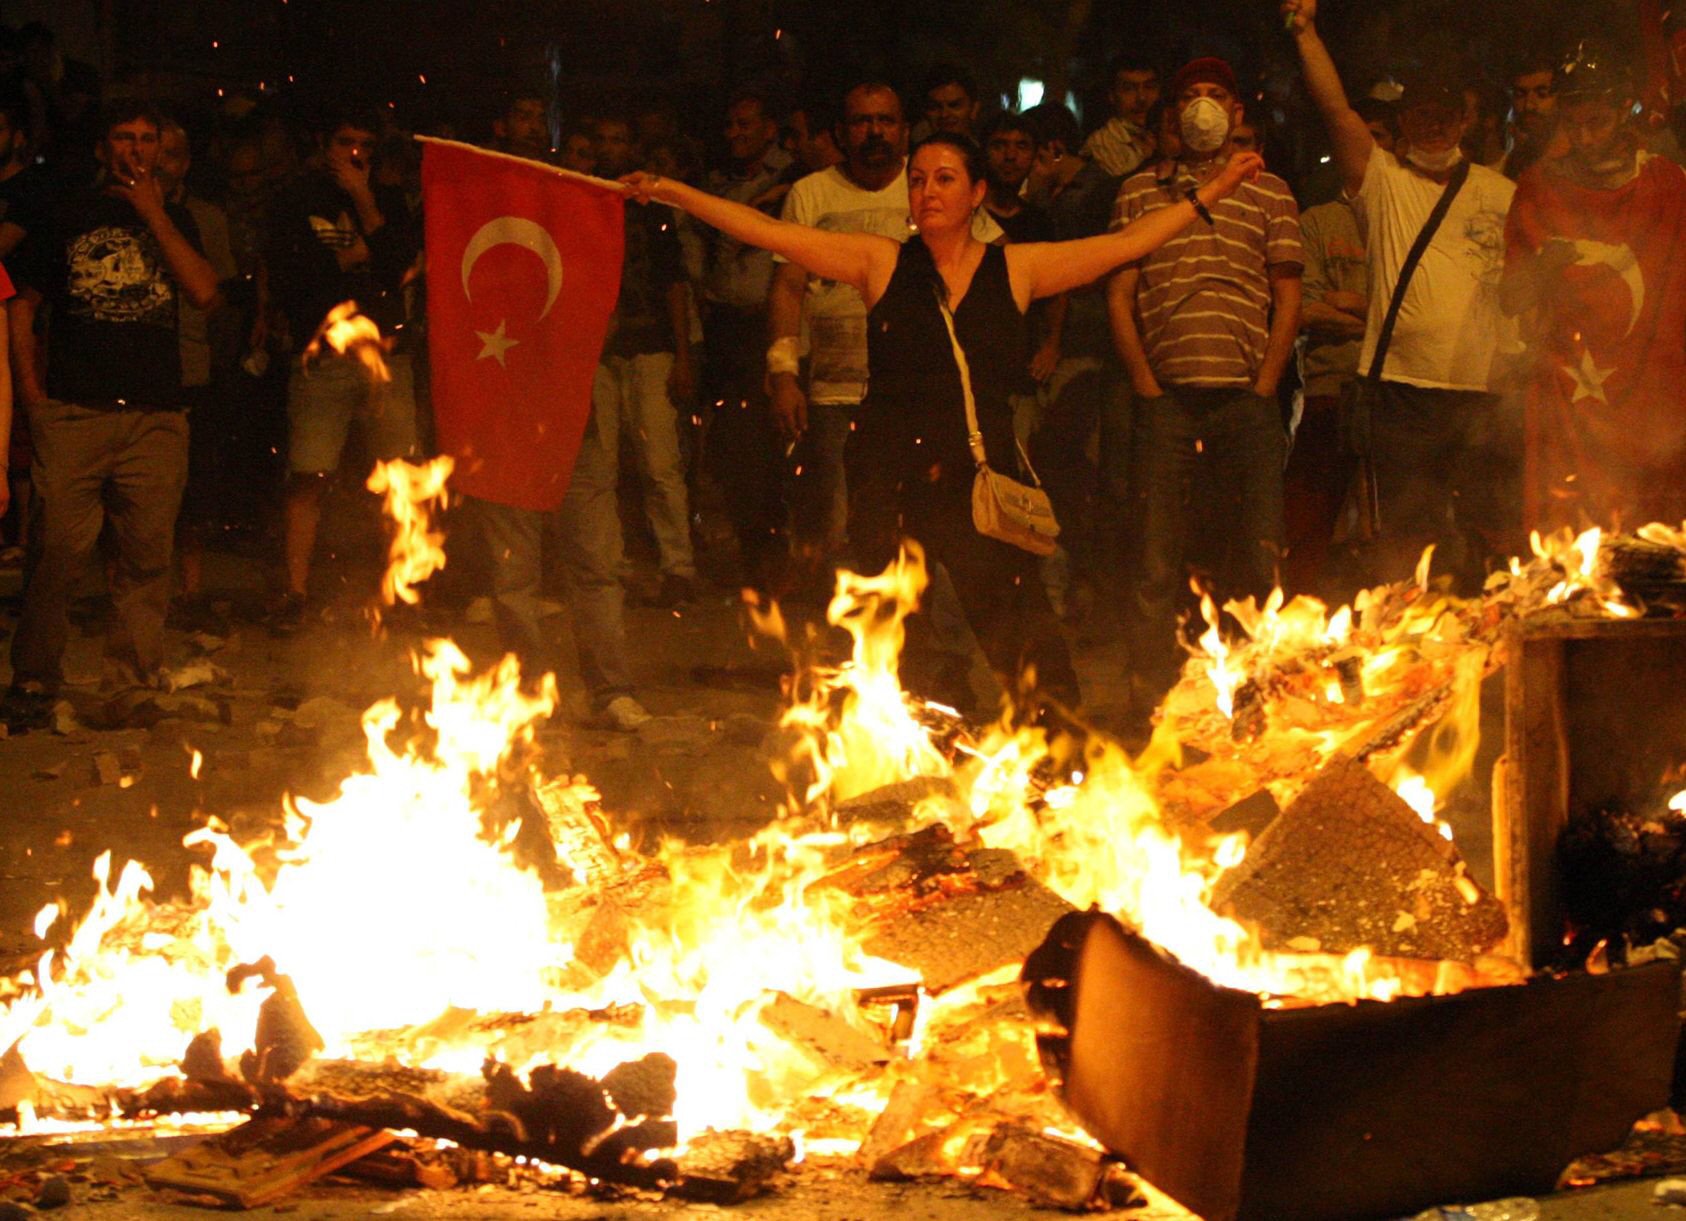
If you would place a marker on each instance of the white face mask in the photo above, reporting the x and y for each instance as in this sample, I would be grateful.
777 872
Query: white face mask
1205 124
1435 163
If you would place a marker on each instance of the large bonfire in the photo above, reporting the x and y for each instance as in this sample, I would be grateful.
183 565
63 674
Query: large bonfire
407 920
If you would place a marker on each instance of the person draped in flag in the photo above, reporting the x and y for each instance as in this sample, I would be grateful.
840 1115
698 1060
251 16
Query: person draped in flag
912 439
1595 258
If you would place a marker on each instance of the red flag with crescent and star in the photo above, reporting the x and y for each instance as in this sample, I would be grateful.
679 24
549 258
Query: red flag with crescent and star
524 265
1606 417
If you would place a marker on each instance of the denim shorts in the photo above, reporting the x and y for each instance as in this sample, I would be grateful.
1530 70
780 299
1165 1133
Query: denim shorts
324 397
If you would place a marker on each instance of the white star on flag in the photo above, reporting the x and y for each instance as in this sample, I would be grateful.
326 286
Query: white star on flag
1589 379
496 343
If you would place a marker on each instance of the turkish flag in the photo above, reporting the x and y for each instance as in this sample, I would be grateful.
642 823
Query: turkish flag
524 265
1606 420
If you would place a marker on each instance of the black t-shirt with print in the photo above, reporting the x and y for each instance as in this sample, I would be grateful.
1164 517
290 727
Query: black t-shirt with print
112 328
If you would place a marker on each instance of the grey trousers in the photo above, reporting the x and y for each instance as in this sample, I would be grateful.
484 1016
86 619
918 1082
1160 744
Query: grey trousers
589 529
91 468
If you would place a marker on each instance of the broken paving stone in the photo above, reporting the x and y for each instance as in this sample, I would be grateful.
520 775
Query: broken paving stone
744 730
55 772
919 1158
728 1167
64 718
53 1193
324 712
108 768
194 708
200 672
914 1107
17 1083
674 731
11 1210
1048 1170
1669 1191
1341 864
895 803
837 1043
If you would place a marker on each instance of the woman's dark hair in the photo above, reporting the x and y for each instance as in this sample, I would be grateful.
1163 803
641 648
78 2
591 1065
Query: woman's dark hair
966 147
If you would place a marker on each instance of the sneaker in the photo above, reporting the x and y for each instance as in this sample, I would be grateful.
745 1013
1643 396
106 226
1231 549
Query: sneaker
288 617
22 710
623 713
675 591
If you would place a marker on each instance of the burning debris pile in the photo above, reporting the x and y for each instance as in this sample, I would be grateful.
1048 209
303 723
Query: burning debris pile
466 947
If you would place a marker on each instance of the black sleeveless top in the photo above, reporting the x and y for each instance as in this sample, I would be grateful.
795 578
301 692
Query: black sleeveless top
914 414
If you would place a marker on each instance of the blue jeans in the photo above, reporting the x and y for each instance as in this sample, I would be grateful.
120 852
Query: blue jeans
1198 442
589 530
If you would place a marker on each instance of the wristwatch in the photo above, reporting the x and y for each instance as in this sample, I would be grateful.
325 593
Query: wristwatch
1200 209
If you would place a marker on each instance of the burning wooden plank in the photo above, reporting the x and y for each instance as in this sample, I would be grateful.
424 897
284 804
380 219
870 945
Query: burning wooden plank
265 1159
1350 864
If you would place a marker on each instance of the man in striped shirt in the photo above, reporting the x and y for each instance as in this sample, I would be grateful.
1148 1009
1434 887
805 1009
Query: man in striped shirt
1205 326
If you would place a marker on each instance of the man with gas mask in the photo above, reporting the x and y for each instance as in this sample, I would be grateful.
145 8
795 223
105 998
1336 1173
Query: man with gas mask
1204 326
1592 265
1439 441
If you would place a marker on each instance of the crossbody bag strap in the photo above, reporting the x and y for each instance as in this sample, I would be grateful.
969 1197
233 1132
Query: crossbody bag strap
974 434
1442 206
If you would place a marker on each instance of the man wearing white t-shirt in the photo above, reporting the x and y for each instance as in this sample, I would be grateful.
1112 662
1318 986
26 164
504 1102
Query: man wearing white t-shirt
1444 459
864 193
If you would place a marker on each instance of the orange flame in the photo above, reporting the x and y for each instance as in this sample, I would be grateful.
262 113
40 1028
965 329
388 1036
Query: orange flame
402 918
350 333
416 551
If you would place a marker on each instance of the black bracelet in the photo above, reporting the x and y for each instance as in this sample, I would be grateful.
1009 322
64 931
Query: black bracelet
1200 209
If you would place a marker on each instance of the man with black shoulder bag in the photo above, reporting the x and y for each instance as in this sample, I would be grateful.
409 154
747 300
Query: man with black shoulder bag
1442 452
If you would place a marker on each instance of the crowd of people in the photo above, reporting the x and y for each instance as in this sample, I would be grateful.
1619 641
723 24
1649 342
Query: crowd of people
1472 329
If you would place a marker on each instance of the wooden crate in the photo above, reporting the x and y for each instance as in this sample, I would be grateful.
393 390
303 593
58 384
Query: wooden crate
1595 712
1343 1112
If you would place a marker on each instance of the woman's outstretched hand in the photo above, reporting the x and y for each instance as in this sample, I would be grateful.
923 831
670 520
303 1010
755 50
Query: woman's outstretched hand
644 187
1241 167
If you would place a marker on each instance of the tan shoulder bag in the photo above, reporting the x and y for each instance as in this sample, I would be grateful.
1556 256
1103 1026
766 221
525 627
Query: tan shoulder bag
1002 508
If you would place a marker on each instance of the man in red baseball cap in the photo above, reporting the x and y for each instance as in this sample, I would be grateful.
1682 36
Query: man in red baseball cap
1207 70
1204 326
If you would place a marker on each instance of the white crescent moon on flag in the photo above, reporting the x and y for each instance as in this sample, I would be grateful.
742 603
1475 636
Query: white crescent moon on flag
1622 261
516 231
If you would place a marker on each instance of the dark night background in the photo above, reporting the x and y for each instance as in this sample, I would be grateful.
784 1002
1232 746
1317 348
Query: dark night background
691 51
